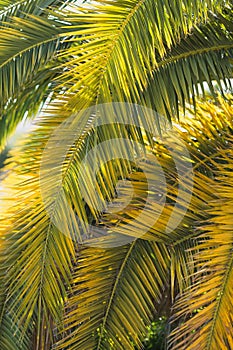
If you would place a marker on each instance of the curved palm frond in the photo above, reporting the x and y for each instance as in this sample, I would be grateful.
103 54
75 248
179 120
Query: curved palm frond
9 8
204 57
7 326
110 63
32 46
84 323
50 253
7 341
114 295
45 272
203 136
30 41
205 309
111 78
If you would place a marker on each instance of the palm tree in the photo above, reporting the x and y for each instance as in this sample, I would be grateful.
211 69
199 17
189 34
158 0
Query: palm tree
58 58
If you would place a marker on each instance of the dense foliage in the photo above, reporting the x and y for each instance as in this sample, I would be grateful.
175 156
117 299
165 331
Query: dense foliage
168 288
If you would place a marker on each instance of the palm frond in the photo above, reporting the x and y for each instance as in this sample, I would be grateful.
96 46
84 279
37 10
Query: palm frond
109 77
110 63
204 57
7 326
44 272
50 253
28 104
113 296
30 41
23 52
206 307
9 8
15 342
215 121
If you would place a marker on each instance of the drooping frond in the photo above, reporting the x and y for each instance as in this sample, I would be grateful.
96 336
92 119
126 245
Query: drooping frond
83 321
205 310
202 136
37 283
33 45
30 41
7 326
204 57
15 342
50 252
110 63
114 295
9 8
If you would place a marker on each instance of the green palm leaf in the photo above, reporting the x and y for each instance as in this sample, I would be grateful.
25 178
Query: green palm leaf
29 50
9 8
192 63
110 63
122 287
30 41
207 304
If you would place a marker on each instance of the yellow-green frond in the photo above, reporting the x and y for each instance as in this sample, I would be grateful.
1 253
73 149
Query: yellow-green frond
115 293
205 310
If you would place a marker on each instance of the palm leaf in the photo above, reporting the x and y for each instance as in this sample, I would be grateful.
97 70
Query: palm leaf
50 253
84 327
45 272
15 342
9 8
7 327
204 57
143 57
113 296
20 62
110 63
29 41
207 304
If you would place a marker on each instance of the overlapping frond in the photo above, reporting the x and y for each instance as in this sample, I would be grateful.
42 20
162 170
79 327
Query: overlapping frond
203 59
84 328
16 342
111 64
30 41
205 310
9 8
108 63
38 263
114 296
44 254
203 136
32 46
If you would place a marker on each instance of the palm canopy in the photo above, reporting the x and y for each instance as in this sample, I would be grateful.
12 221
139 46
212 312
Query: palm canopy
56 292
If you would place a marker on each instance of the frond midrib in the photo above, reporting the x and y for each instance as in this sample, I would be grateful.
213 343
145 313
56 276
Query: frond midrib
113 292
115 42
229 268
193 53
19 53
